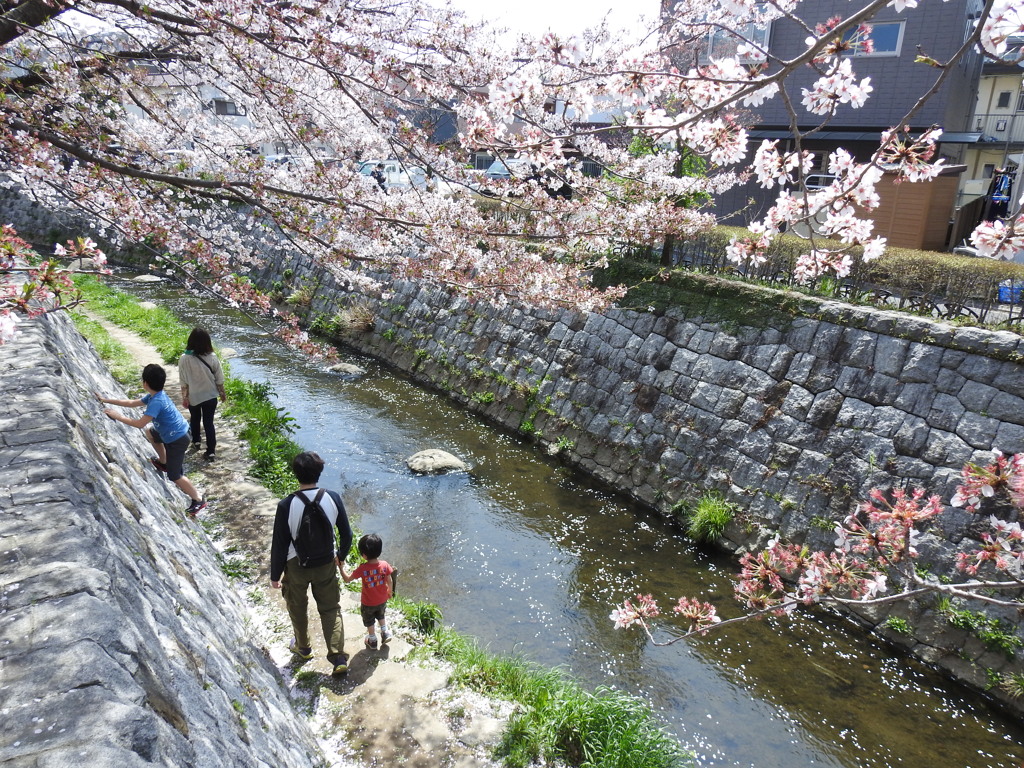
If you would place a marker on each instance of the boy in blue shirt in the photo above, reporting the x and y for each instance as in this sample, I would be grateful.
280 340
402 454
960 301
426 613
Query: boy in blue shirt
164 426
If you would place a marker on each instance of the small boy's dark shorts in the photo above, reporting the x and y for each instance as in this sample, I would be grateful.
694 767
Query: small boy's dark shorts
175 453
372 613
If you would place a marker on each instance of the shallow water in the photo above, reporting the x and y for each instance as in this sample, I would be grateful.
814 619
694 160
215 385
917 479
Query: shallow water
530 557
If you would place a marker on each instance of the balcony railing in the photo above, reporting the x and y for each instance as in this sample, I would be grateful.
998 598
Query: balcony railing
1001 127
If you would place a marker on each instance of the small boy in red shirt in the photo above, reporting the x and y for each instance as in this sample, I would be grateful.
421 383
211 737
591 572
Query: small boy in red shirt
378 586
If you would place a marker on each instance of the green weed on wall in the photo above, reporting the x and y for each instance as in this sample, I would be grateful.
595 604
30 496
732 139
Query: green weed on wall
714 299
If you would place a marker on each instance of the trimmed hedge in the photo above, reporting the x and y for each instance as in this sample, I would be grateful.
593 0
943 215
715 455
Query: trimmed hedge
928 282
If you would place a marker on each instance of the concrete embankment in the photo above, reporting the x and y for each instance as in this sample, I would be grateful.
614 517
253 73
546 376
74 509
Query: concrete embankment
121 641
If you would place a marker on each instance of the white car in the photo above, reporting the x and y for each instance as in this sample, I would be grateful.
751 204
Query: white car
522 169
509 167
180 158
285 160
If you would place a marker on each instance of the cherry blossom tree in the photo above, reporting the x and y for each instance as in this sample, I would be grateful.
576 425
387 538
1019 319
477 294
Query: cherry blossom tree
161 122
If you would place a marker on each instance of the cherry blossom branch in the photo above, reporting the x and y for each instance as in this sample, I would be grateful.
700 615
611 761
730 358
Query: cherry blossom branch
872 545
342 80
783 608
27 15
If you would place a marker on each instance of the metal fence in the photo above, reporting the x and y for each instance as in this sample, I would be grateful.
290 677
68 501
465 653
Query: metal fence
979 298
1003 127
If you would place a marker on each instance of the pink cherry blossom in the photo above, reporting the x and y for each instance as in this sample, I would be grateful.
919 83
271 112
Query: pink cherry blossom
983 481
630 612
8 325
698 615
997 240
838 87
817 262
1005 19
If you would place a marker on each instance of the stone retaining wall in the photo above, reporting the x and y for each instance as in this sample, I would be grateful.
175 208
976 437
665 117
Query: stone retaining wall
121 642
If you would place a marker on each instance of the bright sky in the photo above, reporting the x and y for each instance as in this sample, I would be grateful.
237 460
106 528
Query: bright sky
568 16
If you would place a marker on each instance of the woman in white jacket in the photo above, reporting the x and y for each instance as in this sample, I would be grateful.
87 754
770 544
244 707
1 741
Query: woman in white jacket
202 380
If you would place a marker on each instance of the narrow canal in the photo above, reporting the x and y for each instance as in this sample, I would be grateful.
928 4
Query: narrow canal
530 558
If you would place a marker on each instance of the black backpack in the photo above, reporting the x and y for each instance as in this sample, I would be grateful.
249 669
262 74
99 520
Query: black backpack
315 543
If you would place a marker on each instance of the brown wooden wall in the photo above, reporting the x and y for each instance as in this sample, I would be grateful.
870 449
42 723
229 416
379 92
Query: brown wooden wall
916 215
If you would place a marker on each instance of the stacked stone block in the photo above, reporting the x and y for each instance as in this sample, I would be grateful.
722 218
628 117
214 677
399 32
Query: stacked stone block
121 641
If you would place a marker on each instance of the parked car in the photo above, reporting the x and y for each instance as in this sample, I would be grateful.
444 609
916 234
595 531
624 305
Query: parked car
521 168
272 160
399 176
507 168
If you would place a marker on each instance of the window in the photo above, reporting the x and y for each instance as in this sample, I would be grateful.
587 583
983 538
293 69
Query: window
987 170
482 161
1003 102
886 39
1000 125
1020 101
224 107
724 42
967 60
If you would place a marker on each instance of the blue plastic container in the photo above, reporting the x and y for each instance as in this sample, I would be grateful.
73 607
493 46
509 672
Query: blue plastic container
1010 294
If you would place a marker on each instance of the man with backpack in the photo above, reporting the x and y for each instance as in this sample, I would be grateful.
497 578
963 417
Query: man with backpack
312 536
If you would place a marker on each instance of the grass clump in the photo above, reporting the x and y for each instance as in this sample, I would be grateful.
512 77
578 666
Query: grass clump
898 625
236 564
1012 684
357 317
425 618
157 326
994 633
559 721
706 521
267 429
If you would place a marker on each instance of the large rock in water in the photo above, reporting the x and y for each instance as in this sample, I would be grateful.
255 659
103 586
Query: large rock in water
83 265
434 461
347 369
